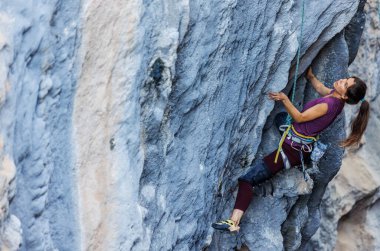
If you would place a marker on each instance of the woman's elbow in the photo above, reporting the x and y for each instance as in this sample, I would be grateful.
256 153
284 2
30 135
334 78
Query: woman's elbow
300 118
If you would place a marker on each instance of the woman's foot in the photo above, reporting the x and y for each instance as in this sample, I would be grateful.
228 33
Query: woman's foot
226 225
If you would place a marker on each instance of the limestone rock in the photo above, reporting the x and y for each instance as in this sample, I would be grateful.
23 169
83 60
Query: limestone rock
129 121
10 227
38 40
350 218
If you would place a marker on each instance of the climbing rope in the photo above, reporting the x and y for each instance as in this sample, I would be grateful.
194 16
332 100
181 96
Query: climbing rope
289 118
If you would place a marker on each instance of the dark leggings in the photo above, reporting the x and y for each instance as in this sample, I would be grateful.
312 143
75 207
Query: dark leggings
261 171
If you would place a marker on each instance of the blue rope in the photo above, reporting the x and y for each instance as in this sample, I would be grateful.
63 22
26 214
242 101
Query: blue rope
289 118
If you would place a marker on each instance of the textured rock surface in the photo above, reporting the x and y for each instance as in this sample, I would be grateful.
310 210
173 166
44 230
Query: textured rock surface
10 229
38 77
351 204
129 122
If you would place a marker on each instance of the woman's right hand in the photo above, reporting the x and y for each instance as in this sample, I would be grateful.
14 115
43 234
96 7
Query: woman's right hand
277 96
309 74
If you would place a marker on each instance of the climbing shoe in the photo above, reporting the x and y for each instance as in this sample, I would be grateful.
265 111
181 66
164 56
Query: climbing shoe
226 225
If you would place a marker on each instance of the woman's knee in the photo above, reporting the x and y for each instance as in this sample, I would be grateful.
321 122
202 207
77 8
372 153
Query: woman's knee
257 174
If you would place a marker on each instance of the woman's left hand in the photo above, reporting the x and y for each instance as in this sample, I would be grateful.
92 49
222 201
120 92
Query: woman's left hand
277 96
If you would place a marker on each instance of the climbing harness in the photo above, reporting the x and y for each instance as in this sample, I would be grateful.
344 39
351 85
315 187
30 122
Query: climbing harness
299 138
305 145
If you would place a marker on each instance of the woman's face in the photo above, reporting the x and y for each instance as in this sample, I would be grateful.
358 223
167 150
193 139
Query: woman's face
342 85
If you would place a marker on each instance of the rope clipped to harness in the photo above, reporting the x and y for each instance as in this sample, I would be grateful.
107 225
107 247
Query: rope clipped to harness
306 143
289 118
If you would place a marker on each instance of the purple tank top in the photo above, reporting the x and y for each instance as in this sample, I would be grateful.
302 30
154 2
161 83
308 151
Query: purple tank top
314 127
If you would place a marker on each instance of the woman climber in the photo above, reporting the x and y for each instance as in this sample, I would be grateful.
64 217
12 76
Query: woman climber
316 116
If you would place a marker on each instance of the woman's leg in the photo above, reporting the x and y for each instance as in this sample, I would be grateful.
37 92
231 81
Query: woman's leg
243 199
256 175
235 217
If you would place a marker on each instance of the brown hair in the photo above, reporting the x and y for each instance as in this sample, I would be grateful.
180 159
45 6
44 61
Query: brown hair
355 94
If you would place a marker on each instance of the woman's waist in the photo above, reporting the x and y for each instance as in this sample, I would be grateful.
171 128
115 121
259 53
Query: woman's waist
299 137
298 141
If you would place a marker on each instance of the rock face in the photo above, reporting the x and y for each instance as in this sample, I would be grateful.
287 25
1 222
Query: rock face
128 123
350 215
38 41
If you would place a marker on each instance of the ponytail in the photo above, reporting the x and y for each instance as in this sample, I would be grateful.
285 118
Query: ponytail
358 126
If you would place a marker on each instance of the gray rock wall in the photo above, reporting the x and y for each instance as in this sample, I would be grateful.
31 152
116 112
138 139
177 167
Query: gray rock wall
350 217
38 79
129 122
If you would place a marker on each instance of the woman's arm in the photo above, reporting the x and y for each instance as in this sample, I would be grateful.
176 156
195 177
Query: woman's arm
310 114
318 85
